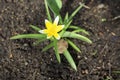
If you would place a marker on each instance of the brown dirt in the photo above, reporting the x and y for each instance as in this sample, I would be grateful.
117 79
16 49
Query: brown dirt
20 60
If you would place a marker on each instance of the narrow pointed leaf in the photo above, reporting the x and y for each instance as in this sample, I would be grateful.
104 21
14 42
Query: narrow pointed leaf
81 30
73 27
70 59
61 21
67 25
77 36
35 36
38 41
64 30
75 12
66 17
56 51
48 46
116 72
73 45
78 29
35 27
47 11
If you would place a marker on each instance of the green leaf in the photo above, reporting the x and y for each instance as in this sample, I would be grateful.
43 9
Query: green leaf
73 45
35 36
70 59
48 46
47 11
73 27
56 51
61 21
66 17
116 72
75 12
35 27
78 29
67 25
65 28
77 36
38 41
55 6
81 30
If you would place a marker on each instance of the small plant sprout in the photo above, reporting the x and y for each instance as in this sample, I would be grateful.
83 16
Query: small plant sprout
59 35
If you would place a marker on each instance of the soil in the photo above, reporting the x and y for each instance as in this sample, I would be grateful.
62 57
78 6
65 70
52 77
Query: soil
20 60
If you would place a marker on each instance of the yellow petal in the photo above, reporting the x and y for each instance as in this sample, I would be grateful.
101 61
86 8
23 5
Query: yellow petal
48 24
57 36
56 20
49 36
60 27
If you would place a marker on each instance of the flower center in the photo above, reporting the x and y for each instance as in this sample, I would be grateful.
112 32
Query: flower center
53 30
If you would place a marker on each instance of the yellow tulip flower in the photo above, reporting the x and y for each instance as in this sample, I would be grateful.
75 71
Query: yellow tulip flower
52 28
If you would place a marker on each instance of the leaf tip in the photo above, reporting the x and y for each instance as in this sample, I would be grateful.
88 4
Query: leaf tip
12 37
90 42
